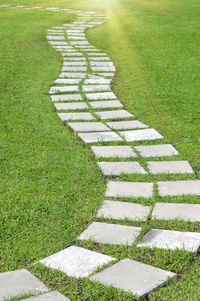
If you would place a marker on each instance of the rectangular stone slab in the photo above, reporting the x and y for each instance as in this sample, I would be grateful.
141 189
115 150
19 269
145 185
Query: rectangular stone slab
106 104
117 114
67 81
63 89
71 106
139 135
88 127
52 296
167 211
129 189
91 81
111 233
148 151
168 239
122 125
72 54
70 63
121 151
76 262
69 59
109 69
122 210
133 276
76 116
116 168
157 167
103 95
190 187
107 74
92 88
74 69
69 97
73 75
99 137
55 37
105 58
102 64
58 43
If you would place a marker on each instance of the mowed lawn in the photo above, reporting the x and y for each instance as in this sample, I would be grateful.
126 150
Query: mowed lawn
50 183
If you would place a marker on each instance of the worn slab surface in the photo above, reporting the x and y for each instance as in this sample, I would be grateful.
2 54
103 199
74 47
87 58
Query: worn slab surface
168 239
92 88
52 296
117 114
76 116
121 210
157 167
76 262
92 81
67 81
101 95
122 125
121 151
19 282
167 211
99 137
129 189
139 135
71 106
73 74
69 97
130 275
111 233
116 168
88 126
106 104
156 150
190 187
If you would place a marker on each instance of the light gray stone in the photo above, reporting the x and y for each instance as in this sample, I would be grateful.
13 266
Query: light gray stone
99 137
121 151
111 233
101 64
78 38
104 58
187 212
157 167
148 151
59 43
121 125
129 189
73 75
79 43
71 106
103 81
75 116
63 89
103 95
89 50
168 239
52 296
116 168
98 54
133 276
92 88
188 187
118 114
103 69
13 284
67 81
139 135
71 54
74 63
108 74
69 97
72 59
106 104
88 127
122 210
76 262
74 69
55 38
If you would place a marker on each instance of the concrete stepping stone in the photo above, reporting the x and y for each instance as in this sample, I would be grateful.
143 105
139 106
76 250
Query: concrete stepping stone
76 262
103 81
79 43
139 135
122 125
68 81
58 43
111 233
122 210
112 69
99 137
103 95
72 59
157 167
71 106
129 189
117 168
76 116
98 54
73 75
74 63
55 38
71 54
52 296
168 239
121 151
172 188
101 64
133 276
156 150
69 97
19 282
76 38
74 69
92 88
106 104
167 211
105 58
63 89
108 74
118 114
88 127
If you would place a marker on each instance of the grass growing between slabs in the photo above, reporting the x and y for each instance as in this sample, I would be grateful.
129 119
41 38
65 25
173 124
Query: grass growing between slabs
51 185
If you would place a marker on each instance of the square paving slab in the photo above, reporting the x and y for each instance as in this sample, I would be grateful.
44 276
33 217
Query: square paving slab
116 168
191 187
157 167
88 126
168 239
76 261
76 116
99 137
122 125
130 275
111 233
139 135
121 210
103 95
71 106
117 114
13 284
129 189
69 97
52 296
156 150
121 151
106 104
167 211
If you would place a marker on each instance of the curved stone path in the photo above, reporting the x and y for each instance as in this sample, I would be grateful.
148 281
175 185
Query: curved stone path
84 101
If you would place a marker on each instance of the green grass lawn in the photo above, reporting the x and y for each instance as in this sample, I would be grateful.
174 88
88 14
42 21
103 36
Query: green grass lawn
50 183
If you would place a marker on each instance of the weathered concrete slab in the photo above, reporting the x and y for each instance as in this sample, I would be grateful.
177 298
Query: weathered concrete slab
104 58
68 81
52 296
58 43
69 97
157 167
109 69
117 114
102 81
103 95
139 135
122 210
172 188
92 88
76 116
129 189
74 69
63 89
106 104
133 276
101 64
116 168
88 127
168 239
107 74
100 137
148 151
76 262
72 54
122 125
111 233
72 59
121 151
71 106
71 63
73 75
56 38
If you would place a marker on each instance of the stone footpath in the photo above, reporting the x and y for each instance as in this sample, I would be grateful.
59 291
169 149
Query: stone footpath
84 101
